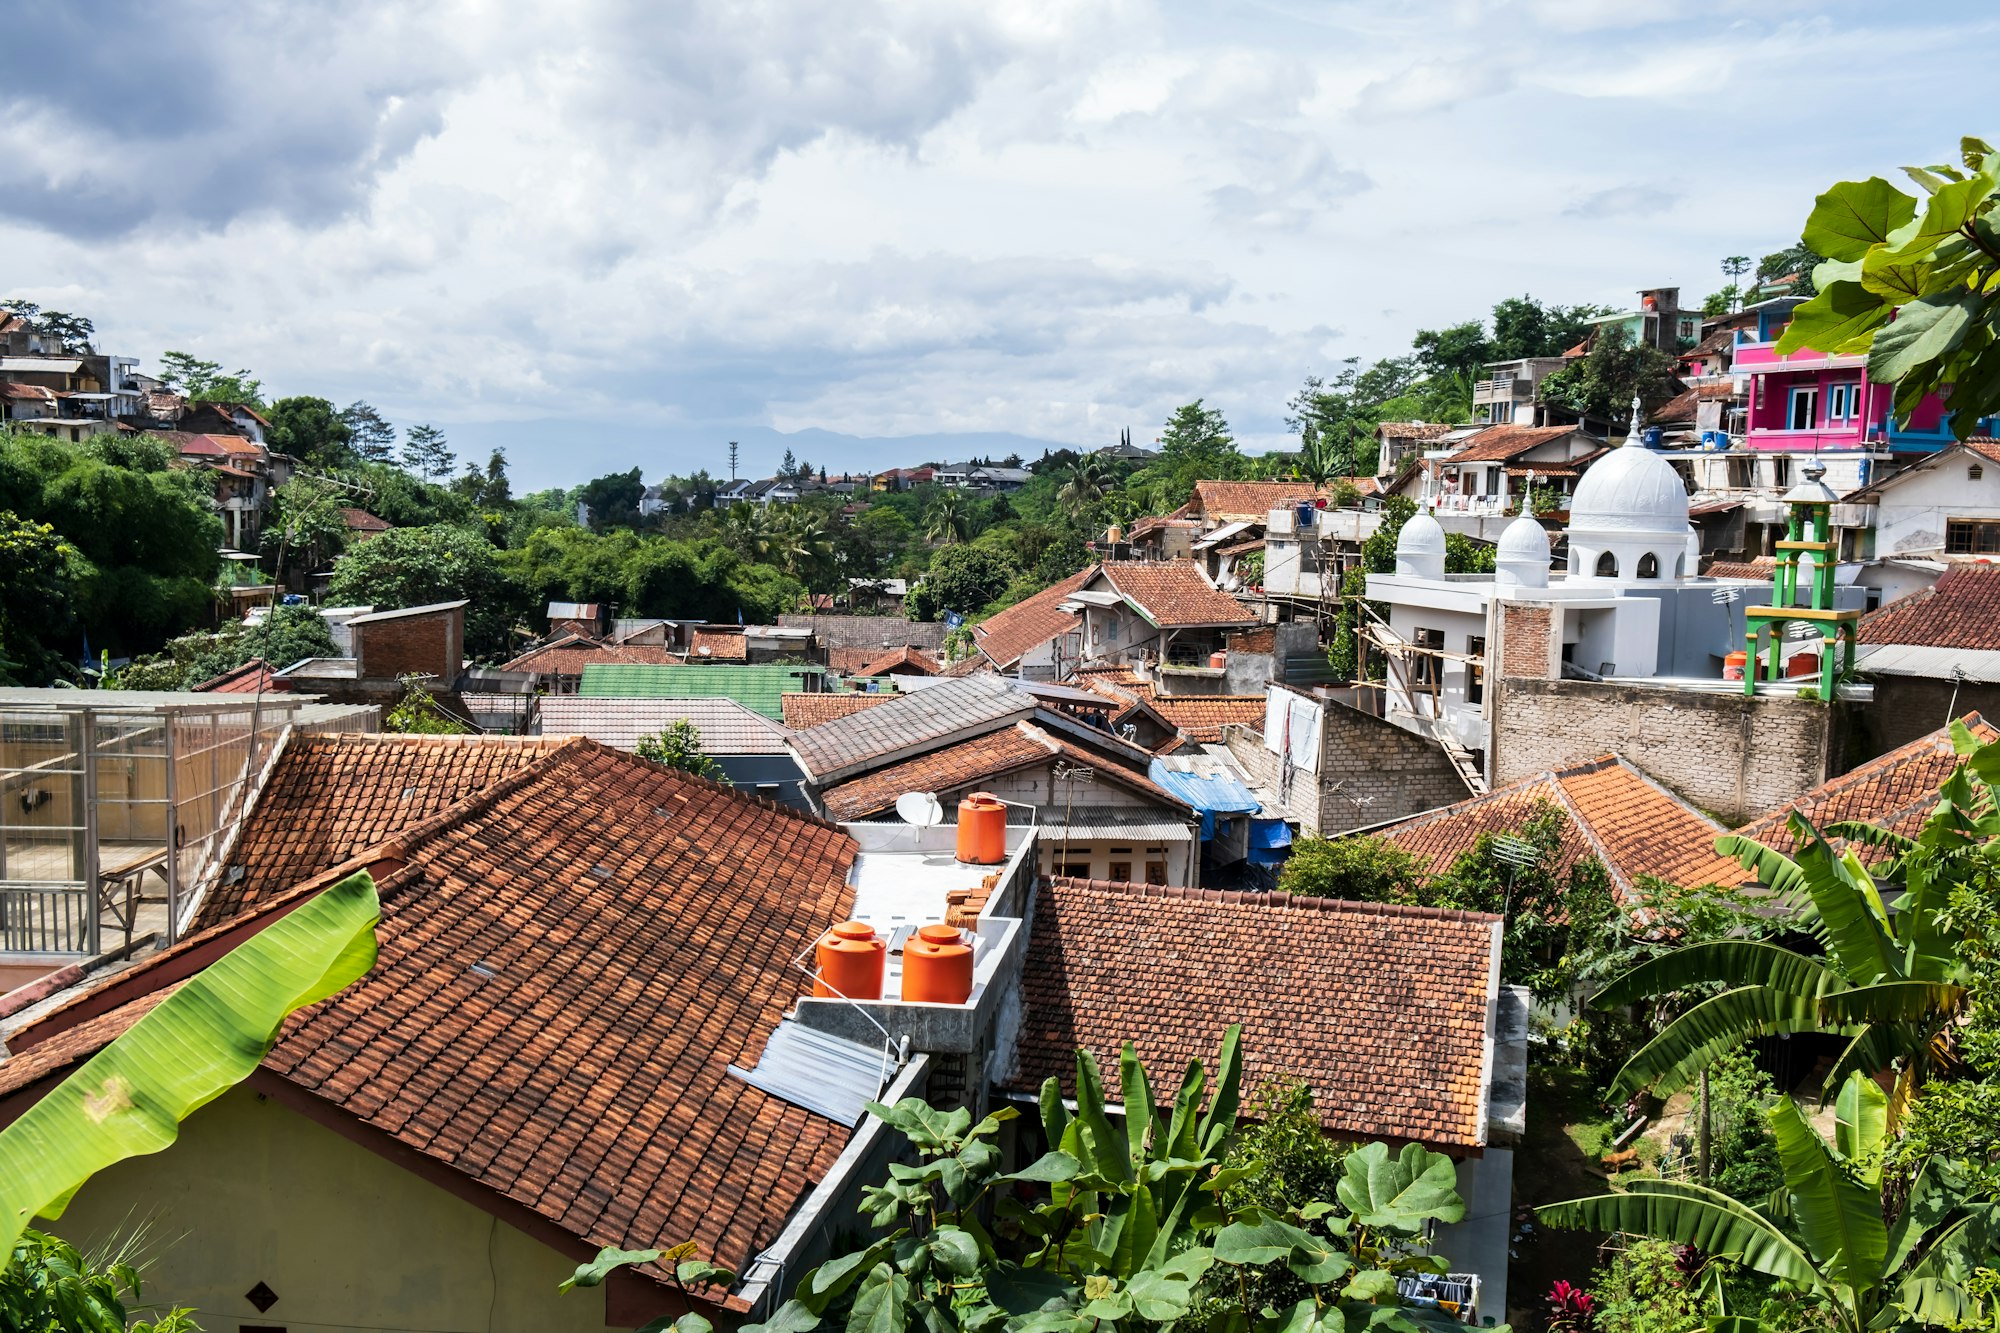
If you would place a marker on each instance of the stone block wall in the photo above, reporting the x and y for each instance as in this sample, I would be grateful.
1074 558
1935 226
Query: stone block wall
1370 771
1732 755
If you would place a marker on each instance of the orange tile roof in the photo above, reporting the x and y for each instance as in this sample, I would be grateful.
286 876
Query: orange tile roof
708 645
329 797
1173 593
1201 718
253 677
810 710
1615 813
1763 567
570 654
1898 791
851 660
965 666
1381 1009
1497 444
1029 623
1960 610
360 520
1249 501
570 1073
914 659
1414 430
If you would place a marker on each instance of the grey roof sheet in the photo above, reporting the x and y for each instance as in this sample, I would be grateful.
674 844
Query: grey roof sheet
726 727
910 724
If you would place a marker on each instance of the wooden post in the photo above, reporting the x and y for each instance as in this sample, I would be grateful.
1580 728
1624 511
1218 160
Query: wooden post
1702 1134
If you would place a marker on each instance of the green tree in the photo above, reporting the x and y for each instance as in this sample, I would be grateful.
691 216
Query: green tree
37 600
678 745
1912 282
1357 869
947 521
372 437
203 381
495 492
613 499
310 430
1084 485
426 453
307 525
48 1286
418 713
406 567
1862 1255
1524 327
964 579
1599 386
1796 261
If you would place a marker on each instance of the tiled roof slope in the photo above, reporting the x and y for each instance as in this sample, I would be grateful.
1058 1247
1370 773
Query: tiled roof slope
721 646
811 710
1029 623
569 655
871 632
253 677
1497 444
329 797
1414 430
1960 610
1174 593
726 726
1615 813
1202 718
574 1073
1898 790
1381 1009
1249 501
978 760
909 724
912 658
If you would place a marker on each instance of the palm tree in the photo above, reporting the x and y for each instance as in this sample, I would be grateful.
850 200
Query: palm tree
1872 1258
1891 979
1084 485
747 527
800 544
947 520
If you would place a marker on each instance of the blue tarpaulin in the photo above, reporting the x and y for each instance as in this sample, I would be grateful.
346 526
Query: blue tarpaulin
1211 794
1270 841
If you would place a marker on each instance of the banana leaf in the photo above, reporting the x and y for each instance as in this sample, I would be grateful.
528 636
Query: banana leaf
1690 1215
129 1099
1711 1029
1849 907
1735 963
1860 1124
1874 1047
1838 1218
1893 1002
1774 870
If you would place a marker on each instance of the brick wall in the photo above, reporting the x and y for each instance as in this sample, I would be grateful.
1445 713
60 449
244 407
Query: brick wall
1733 756
1370 771
1524 640
426 645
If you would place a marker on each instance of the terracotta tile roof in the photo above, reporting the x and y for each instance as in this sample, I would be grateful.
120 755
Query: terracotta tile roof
73 1045
1201 718
1615 813
570 654
909 659
1572 469
909 724
726 727
253 677
1413 430
871 632
1898 791
1680 407
851 660
1763 567
980 759
1498 444
811 710
1960 610
708 645
361 521
1173 593
329 797
1146 527
1238 501
1381 1009
1029 623
966 666
1714 342
570 1073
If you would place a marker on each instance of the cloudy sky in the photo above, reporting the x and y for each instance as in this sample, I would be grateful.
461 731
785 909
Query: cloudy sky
604 234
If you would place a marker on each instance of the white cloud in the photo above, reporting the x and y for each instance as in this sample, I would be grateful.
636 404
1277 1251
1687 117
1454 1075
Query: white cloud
897 216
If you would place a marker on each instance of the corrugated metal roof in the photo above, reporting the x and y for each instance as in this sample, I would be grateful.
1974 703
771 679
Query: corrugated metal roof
755 687
826 1075
1114 828
1211 791
726 727
1980 666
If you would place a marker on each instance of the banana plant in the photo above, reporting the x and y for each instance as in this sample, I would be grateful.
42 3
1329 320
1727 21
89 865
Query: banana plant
1871 1258
206 1037
1890 978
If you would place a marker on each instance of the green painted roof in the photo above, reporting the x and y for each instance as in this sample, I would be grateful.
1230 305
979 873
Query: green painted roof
755 687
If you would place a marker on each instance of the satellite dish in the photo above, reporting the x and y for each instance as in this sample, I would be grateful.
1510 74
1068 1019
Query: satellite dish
919 808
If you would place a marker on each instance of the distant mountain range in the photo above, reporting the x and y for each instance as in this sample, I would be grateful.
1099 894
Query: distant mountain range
560 452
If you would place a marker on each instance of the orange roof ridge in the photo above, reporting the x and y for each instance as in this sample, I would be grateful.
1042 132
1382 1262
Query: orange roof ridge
1273 898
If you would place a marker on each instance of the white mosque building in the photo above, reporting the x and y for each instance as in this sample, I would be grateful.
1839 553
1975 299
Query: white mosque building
1629 604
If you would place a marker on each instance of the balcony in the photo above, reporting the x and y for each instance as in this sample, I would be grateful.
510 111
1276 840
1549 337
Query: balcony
1503 389
1752 357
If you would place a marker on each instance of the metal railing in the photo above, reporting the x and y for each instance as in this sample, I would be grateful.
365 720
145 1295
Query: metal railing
51 918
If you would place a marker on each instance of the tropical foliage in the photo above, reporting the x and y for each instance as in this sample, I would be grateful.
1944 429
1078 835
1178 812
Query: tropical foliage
678 745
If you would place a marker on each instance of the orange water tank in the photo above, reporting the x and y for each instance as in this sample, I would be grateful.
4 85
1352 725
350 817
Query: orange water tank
850 960
937 967
982 829
1734 665
1802 664
1218 660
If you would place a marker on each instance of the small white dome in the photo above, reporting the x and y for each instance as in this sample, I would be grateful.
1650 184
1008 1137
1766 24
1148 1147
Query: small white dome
1420 548
1632 489
1523 539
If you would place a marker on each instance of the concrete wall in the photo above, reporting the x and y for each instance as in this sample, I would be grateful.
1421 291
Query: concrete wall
1369 771
1733 756
1907 707
1911 513
253 1192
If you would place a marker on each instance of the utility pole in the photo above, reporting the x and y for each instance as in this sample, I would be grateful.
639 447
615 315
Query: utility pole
732 460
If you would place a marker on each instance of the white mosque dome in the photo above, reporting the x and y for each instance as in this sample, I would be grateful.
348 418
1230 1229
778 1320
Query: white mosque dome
1420 548
1632 489
1524 539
